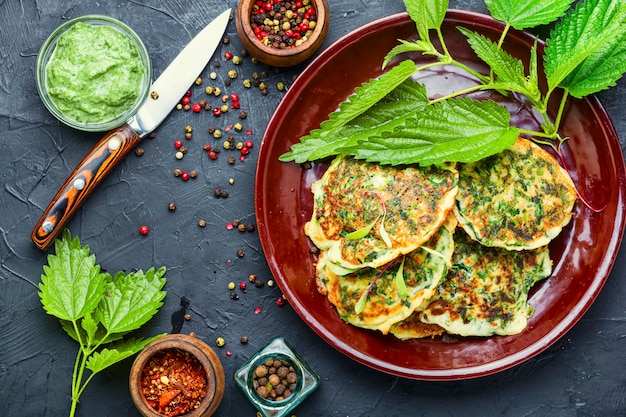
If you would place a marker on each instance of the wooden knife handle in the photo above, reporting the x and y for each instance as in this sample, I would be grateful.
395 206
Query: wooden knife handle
94 167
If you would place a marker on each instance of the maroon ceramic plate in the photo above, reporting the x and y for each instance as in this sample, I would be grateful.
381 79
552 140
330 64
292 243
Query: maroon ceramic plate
583 254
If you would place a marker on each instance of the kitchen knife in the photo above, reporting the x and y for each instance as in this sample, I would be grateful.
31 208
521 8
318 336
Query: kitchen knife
166 92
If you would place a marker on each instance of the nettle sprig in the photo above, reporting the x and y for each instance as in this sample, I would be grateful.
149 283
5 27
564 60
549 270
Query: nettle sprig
96 308
391 120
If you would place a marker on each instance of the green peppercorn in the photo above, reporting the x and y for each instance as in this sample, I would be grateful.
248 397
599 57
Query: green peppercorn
238 126
208 90
220 342
247 83
188 129
280 86
232 74
199 81
236 60
217 134
262 86
231 285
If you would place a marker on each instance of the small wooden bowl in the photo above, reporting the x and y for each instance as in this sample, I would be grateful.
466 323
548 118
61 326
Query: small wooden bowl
197 348
281 57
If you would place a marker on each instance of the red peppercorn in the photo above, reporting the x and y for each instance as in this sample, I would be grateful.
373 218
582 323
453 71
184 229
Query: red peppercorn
249 144
217 112
235 105
196 108
188 93
207 147
228 55
143 230
280 301
245 151
185 100
178 144
242 285
184 175
234 97
213 155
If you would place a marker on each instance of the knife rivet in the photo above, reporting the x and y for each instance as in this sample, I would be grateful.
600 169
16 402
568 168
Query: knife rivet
47 227
79 184
114 144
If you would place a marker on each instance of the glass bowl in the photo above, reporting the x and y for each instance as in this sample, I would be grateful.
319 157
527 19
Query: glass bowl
109 121
306 380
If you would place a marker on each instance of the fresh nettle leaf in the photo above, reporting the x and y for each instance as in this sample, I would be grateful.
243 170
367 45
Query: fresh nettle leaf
316 144
72 284
459 130
525 14
598 71
592 25
96 309
510 71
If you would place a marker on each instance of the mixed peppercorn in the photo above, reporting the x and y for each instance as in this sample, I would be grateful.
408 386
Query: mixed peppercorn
174 382
275 379
283 24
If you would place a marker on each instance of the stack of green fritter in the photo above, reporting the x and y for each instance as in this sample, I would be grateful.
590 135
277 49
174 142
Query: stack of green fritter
392 261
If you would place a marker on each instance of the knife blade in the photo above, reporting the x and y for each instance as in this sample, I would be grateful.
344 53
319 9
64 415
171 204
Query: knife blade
106 154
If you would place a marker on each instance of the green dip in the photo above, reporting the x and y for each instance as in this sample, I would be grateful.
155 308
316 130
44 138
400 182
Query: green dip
95 73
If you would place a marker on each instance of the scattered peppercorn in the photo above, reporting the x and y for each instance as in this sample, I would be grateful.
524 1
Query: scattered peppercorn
201 222
219 342
243 114
171 206
154 95
143 230
231 285
177 172
244 339
240 253
187 316
139 151
241 227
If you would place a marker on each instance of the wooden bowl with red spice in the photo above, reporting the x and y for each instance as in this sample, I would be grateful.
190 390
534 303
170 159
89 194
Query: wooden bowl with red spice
177 375
282 33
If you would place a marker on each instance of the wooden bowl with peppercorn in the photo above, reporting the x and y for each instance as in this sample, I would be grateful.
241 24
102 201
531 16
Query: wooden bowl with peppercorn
177 375
282 33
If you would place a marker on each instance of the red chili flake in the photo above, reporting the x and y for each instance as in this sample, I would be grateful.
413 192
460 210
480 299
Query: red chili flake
229 353
228 55
228 262
229 226
249 132
184 175
257 310
185 100
242 158
228 128
249 144
196 108
143 230
280 301
173 382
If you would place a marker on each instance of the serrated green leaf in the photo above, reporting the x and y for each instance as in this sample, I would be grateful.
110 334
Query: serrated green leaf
509 70
426 48
72 284
591 25
456 130
120 351
524 14
323 142
90 326
131 300
599 71
426 14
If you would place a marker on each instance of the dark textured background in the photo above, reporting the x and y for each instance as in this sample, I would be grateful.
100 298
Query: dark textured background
583 374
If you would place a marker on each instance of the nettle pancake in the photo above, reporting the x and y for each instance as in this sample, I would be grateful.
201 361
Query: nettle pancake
414 328
518 199
486 290
409 202
422 271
